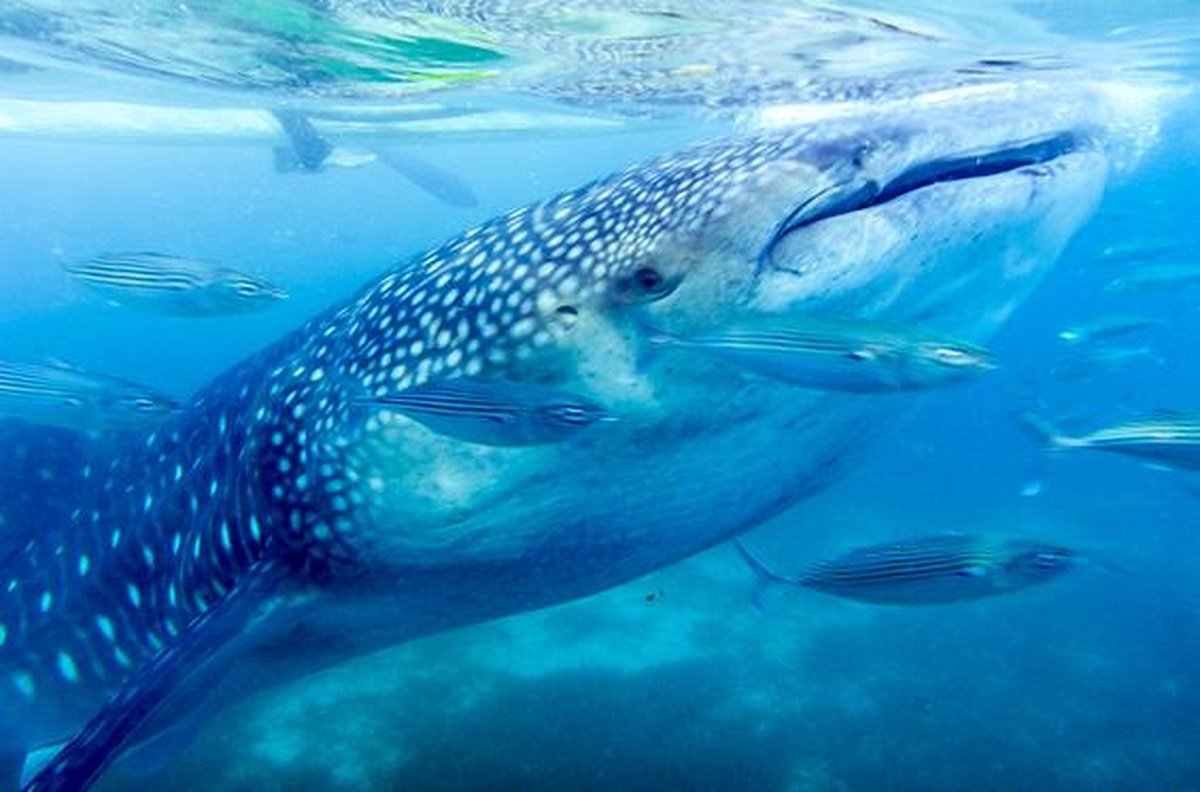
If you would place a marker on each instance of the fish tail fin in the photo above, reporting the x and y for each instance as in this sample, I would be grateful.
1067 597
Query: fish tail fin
1043 432
760 570
765 577
1048 439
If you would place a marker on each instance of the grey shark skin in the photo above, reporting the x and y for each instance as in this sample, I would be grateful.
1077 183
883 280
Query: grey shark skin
379 530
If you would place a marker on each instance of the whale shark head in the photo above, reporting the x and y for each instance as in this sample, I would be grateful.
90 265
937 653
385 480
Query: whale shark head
942 216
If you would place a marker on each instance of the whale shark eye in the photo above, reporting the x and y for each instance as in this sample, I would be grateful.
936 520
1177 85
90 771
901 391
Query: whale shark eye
645 284
567 316
648 279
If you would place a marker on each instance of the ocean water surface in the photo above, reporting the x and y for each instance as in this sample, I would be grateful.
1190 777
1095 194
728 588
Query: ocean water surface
152 130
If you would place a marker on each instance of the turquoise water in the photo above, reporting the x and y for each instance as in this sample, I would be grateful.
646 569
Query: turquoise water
673 680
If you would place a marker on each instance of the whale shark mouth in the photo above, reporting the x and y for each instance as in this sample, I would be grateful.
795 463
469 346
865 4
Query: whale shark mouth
974 166
853 196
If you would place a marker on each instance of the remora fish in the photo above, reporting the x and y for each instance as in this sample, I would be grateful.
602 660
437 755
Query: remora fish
163 283
839 354
1156 277
61 395
1171 440
928 570
494 412
270 529
1095 360
1140 251
1106 327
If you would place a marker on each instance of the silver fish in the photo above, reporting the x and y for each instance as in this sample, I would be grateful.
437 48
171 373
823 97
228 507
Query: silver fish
1106 327
496 412
928 570
1095 360
1157 277
839 354
1139 251
167 284
65 396
1171 441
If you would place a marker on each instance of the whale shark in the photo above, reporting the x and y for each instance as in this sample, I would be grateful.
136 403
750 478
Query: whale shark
284 520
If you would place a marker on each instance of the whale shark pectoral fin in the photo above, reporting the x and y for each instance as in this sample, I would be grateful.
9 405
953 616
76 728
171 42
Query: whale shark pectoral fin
193 658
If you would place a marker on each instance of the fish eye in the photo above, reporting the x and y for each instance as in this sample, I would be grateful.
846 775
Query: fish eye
144 404
648 279
948 354
645 284
1047 560
247 289
570 414
951 356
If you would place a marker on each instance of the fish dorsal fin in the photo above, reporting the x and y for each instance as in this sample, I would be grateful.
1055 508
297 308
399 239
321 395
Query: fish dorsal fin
192 658
63 365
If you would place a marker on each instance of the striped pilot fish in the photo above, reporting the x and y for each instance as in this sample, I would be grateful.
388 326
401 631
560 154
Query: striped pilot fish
175 285
496 412
1170 440
839 354
928 570
57 394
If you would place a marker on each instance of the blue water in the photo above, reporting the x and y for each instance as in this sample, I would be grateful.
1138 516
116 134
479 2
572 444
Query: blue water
675 681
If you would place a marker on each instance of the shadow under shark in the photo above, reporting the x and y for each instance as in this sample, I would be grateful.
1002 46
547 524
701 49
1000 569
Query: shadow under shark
276 526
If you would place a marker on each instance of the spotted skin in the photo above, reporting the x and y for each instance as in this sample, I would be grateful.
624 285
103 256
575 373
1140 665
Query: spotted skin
389 531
